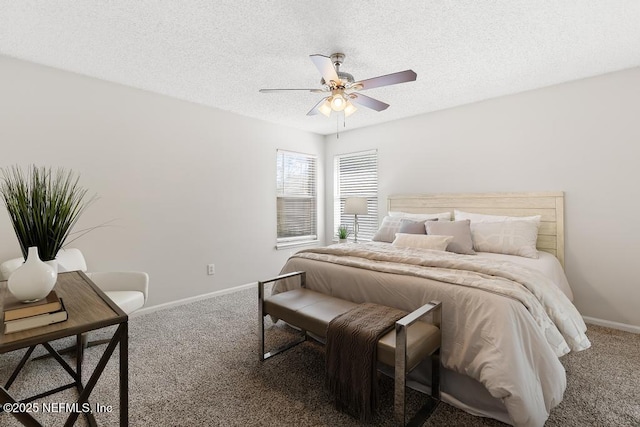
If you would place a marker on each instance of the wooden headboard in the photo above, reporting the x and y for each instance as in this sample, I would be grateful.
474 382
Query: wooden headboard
548 204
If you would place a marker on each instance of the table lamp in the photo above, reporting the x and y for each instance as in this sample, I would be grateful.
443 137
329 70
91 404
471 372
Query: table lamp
356 206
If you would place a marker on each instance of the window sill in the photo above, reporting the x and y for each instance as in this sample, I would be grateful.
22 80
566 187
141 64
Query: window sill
289 245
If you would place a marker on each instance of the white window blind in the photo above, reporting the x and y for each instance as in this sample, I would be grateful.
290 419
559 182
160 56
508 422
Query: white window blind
356 175
296 197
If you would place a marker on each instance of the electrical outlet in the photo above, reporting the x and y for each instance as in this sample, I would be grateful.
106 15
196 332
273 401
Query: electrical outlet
211 269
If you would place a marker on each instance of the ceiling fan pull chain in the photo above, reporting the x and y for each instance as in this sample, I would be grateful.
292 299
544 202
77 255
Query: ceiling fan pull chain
337 126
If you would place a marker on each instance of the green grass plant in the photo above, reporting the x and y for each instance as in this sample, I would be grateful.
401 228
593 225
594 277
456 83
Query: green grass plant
43 205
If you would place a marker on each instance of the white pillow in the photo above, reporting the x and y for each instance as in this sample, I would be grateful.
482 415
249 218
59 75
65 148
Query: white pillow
506 237
442 216
422 241
474 217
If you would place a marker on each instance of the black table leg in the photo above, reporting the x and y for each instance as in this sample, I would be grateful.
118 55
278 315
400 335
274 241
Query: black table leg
84 396
24 417
18 368
124 375
79 357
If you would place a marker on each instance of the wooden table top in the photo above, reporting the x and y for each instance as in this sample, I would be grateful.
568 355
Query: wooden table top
87 306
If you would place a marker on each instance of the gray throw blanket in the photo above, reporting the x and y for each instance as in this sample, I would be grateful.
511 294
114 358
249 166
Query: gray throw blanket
351 356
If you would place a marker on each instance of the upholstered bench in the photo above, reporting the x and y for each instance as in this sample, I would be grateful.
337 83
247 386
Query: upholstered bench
402 349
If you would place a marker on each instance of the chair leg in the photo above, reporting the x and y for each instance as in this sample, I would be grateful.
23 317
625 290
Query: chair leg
84 338
96 342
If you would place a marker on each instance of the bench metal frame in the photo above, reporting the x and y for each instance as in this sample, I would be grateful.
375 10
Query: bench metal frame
261 314
401 370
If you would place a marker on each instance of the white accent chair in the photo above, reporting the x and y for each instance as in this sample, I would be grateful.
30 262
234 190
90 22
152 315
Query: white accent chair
8 267
68 260
128 289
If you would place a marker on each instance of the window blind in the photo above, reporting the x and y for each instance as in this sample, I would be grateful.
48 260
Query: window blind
356 175
296 197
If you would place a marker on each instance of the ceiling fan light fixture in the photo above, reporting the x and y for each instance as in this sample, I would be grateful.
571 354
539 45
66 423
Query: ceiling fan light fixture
349 109
338 103
325 108
339 88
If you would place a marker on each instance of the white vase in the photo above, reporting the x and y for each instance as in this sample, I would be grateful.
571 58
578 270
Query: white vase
54 265
34 279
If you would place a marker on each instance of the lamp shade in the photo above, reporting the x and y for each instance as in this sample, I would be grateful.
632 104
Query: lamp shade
325 108
349 109
356 205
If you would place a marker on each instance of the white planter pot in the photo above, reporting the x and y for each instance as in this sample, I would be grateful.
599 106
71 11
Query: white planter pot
34 279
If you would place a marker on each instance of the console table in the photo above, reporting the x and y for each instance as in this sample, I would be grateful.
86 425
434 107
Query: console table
88 309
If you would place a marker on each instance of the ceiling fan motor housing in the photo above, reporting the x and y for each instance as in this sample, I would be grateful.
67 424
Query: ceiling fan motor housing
346 78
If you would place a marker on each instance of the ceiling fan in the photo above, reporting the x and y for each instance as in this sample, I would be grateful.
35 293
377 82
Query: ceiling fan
344 90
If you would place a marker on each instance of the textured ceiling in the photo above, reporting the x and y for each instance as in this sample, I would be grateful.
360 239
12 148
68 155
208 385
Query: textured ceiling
219 53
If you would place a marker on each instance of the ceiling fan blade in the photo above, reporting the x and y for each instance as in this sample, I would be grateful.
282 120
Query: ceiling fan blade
316 108
324 64
285 90
366 101
388 79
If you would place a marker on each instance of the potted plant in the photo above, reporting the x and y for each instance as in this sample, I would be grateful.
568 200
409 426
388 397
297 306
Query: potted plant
343 233
43 206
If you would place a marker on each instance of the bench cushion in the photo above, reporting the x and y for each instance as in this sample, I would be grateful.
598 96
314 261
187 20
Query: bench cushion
306 309
312 311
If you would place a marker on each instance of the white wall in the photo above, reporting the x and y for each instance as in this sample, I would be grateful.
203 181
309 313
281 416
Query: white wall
582 138
186 185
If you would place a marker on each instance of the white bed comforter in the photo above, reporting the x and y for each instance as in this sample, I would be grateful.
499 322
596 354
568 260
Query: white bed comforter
503 324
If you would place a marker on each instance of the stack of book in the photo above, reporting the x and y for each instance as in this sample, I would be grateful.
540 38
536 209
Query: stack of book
19 316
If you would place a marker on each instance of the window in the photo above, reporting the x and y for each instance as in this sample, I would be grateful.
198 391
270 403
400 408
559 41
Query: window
296 198
356 175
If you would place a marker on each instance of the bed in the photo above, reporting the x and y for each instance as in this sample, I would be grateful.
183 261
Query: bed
506 319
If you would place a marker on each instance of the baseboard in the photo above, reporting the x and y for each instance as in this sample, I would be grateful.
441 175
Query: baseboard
154 308
613 325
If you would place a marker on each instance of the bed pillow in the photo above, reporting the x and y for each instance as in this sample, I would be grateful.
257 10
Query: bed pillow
475 218
421 241
459 230
442 216
388 229
506 237
409 226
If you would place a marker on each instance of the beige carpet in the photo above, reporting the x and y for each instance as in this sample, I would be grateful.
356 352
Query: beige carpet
197 365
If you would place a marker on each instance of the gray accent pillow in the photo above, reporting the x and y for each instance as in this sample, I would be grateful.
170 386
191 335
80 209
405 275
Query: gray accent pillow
408 226
461 232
